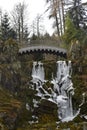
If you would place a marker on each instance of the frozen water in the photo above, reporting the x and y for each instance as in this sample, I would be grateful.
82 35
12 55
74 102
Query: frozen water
62 91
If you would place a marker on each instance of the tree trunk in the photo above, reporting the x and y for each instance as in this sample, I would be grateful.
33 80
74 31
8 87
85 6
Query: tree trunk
19 37
59 9
57 25
63 17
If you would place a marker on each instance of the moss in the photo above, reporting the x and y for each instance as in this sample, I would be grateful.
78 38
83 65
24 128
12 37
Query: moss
78 119
80 88
48 86
9 108
50 68
83 110
26 68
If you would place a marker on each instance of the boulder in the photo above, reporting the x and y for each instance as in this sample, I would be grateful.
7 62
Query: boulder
46 107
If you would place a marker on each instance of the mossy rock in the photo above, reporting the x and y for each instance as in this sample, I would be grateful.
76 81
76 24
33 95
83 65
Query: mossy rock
10 108
47 118
46 107
50 68
48 86
83 110
78 119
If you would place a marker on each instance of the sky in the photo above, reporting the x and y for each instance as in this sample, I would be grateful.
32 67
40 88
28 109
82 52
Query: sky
34 7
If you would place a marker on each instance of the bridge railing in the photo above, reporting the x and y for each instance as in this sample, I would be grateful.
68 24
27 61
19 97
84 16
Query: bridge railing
41 42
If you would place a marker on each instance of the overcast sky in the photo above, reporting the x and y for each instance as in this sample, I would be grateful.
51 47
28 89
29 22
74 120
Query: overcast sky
34 7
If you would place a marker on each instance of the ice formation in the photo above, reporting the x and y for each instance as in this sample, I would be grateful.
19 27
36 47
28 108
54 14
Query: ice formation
62 90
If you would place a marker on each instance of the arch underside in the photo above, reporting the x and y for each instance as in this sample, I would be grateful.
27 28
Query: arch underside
48 50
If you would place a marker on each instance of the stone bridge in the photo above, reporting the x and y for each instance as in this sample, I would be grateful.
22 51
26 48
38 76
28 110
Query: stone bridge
43 46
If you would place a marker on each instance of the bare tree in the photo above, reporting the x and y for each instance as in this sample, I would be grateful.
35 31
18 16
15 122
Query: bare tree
58 13
0 17
37 26
19 20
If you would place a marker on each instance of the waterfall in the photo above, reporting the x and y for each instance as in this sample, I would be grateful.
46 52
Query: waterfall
65 87
38 71
62 90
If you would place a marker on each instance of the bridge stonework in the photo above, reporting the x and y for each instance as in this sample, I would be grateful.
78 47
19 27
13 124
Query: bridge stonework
49 46
44 49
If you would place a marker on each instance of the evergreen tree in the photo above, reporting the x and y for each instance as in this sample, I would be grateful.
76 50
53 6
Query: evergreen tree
6 30
5 27
71 33
78 14
12 34
26 35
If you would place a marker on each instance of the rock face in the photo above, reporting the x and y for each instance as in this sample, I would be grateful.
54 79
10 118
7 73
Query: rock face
9 110
11 121
46 111
47 107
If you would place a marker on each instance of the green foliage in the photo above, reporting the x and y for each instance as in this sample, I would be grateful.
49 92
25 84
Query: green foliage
75 40
9 108
5 27
84 109
9 65
34 37
75 28
50 68
71 32
78 14
10 50
6 30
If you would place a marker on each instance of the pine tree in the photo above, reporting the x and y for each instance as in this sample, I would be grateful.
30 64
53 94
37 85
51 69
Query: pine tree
78 15
6 30
26 35
71 33
5 27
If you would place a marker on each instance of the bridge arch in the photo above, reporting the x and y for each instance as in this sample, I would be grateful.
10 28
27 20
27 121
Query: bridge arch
47 45
44 49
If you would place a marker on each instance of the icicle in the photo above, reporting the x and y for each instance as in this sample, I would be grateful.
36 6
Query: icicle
62 91
38 71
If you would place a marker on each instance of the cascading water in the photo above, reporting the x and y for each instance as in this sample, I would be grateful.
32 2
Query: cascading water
65 90
62 91
38 71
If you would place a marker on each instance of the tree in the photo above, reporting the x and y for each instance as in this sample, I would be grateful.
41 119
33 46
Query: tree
75 22
5 27
78 14
10 50
75 39
6 30
53 7
19 21
37 26
71 32
9 64
26 35
57 12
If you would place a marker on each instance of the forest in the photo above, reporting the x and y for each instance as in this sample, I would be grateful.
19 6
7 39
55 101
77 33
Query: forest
16 93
